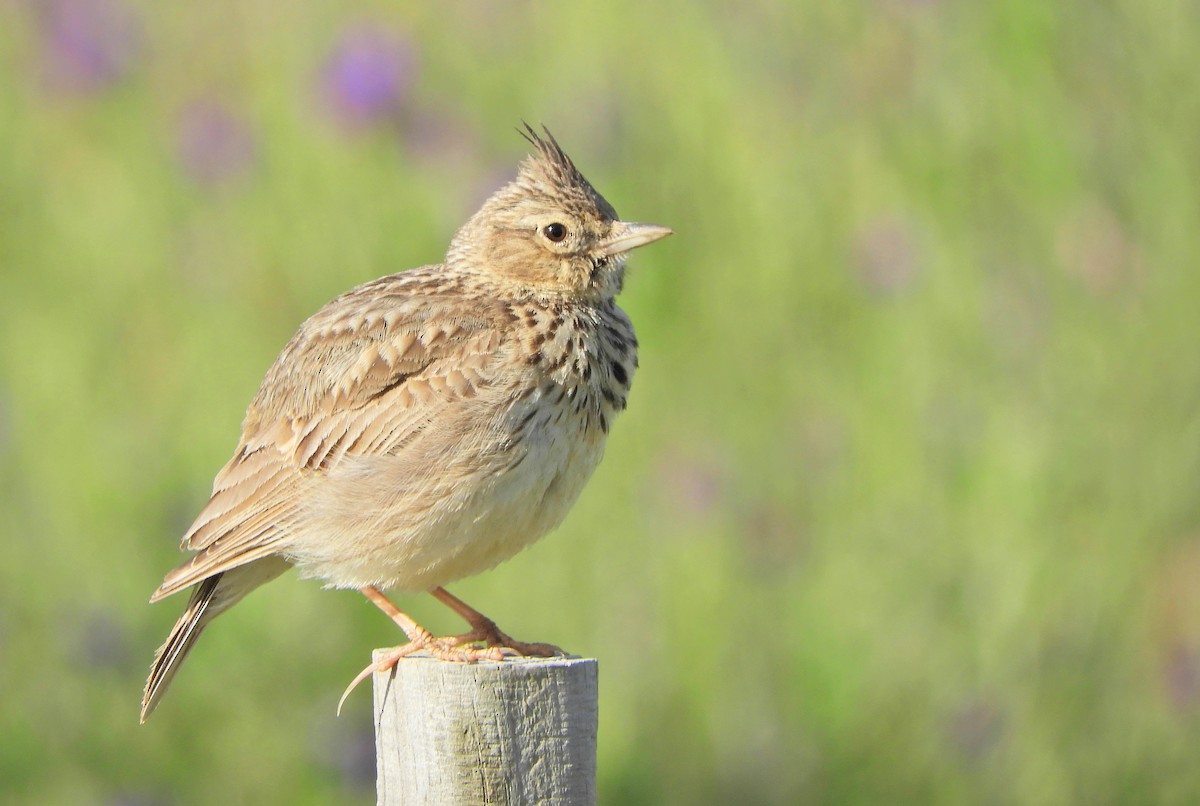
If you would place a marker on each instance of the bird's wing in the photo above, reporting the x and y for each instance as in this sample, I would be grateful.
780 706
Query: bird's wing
362 375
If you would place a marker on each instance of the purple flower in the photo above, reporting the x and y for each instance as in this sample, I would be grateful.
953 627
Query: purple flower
103 640
774 539
1181 677
887 257
432 134
368 76
347 751
975 728
1095 248
136 799
691 485
86 45
214 144
6 430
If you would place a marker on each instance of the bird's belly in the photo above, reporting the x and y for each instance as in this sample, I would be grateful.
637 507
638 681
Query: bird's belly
521 505
415 532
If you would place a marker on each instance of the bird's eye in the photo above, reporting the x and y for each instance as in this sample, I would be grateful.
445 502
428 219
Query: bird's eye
555 232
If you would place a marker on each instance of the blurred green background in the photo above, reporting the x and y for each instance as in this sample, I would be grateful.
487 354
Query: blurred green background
904 508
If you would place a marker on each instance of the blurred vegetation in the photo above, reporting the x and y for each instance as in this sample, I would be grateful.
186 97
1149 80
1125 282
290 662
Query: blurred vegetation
904 507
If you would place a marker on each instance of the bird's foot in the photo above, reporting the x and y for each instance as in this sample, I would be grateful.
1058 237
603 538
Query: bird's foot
448 648
484 630
484 641
491 637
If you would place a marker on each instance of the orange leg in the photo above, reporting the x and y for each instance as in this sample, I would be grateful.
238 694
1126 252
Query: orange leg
420 639
484 630
497 645
415 632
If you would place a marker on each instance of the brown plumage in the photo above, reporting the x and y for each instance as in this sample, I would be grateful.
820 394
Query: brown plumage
425 426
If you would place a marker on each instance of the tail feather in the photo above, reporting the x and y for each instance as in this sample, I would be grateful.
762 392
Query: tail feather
183 635
210 598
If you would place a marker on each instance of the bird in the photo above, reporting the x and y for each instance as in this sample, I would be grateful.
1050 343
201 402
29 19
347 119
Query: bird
425 426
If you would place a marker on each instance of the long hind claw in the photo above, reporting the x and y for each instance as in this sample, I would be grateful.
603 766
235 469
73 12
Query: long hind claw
455 648
448 649
381 665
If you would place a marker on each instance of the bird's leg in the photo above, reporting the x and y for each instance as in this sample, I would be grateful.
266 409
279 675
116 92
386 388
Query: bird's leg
420 639
415 632
484 630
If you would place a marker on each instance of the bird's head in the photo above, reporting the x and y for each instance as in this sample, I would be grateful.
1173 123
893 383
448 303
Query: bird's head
549 231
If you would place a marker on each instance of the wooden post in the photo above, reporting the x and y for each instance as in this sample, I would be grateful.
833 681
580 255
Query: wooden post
521 731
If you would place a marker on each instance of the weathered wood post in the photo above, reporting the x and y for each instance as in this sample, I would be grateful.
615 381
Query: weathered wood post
521 731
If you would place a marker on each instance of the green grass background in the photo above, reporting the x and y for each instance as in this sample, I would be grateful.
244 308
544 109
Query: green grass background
904 508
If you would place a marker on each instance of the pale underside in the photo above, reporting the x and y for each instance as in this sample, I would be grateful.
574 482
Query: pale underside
401 441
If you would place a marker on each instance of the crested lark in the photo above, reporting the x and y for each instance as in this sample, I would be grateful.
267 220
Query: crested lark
428 425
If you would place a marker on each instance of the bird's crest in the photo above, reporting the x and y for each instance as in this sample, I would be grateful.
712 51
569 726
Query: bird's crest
552 172
551 158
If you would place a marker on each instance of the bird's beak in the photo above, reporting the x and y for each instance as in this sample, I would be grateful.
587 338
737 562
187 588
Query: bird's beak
626 235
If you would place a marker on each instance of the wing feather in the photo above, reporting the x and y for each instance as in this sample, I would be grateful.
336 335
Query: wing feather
240 488
361 377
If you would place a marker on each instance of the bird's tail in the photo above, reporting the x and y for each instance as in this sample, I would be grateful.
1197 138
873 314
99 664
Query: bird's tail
183 635
209 599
